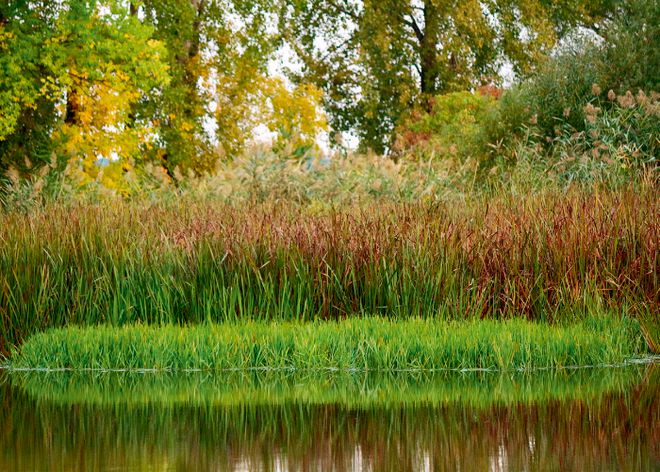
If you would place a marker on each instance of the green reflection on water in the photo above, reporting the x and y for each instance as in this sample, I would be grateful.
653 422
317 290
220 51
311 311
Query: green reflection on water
586 419
350 389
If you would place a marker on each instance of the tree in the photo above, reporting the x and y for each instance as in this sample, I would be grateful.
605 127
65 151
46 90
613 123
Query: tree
109 63
123 82
216 48
375 59
294 115
26 115
74 73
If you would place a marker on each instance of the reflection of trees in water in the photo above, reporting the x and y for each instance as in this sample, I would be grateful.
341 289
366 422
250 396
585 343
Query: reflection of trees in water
612 431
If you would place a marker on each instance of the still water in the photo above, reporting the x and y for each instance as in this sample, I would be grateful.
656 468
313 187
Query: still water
577 420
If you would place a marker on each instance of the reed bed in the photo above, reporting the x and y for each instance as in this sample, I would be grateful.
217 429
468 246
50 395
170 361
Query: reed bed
351 344
650 326
555 257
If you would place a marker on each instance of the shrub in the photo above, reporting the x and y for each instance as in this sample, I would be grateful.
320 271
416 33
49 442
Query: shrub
630 57
455 127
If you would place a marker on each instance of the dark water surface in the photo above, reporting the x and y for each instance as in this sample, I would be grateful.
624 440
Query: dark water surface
577 420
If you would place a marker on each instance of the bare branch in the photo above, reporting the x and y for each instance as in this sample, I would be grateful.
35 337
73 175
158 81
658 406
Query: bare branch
344 10
415 27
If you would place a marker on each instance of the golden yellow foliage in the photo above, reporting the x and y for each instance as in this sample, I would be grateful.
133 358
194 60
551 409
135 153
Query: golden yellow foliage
295 115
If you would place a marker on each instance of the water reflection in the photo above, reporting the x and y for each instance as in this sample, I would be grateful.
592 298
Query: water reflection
604 419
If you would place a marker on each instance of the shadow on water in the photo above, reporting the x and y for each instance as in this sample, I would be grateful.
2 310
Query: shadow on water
585 419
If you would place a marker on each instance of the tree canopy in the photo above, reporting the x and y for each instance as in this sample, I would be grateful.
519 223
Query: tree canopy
374 59
121 81
110 85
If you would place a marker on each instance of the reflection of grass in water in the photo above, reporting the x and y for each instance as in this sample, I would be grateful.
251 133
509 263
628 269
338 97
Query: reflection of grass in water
604 419
361 390
365 343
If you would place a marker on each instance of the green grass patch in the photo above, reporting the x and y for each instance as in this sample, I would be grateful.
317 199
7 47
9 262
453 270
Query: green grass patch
350 344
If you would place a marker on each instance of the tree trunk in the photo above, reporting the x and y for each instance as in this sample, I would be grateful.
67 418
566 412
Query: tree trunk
191 77
428 49
133 11
195 41
72 107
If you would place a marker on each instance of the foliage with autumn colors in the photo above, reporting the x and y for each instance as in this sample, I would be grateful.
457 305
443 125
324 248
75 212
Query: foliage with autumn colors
111 93
108 86
550 256
374 60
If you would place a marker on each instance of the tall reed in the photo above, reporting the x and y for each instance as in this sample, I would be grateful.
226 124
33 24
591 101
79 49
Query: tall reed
549 256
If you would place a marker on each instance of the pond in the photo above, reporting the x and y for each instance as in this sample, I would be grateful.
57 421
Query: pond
581 419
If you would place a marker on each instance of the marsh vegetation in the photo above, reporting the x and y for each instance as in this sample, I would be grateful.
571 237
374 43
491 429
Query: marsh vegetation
400 235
